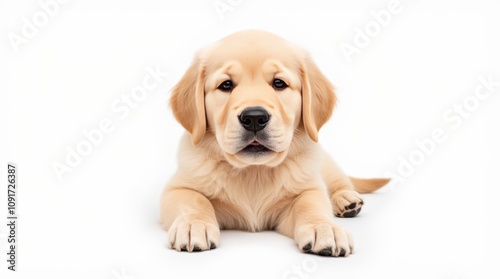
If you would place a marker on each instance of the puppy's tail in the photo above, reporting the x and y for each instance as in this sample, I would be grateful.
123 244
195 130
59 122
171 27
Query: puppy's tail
363 186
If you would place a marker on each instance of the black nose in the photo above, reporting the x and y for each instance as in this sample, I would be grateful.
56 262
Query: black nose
254 119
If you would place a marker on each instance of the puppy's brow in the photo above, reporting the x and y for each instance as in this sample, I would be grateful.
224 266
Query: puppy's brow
278 70
275 67
226 68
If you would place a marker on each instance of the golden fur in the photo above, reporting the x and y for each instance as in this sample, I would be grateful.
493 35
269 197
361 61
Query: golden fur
291 188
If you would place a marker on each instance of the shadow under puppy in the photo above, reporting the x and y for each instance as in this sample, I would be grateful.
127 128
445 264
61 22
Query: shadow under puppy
252 104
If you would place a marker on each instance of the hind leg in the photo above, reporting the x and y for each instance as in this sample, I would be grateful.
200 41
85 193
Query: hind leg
346 203
345 200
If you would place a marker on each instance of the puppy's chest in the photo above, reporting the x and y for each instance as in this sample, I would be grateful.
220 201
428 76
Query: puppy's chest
252 189
252 200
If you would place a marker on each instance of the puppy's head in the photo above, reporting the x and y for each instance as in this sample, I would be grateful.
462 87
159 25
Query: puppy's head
253 91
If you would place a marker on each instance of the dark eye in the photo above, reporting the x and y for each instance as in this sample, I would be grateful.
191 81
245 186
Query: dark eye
226 86
279 84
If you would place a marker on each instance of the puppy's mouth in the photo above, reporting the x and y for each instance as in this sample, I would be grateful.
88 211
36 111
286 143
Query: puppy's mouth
255 147
256 152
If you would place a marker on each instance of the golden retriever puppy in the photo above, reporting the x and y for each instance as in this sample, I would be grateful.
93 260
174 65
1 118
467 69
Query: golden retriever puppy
252 104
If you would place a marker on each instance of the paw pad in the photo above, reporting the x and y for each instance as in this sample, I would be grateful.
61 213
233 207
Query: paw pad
347 204
307 248
326 251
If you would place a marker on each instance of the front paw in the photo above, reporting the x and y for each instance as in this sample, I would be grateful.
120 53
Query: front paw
346 203
193 235
324 239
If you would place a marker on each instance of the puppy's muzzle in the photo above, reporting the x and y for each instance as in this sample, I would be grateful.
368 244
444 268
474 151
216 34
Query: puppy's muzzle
254 119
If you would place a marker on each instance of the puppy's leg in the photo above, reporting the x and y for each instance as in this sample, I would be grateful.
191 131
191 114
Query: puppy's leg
310 222
190 220
345 200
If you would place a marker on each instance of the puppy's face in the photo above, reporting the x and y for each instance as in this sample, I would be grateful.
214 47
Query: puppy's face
252 91
252 100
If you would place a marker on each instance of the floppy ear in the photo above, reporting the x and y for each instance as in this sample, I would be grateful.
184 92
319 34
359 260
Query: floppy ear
188 101
318 98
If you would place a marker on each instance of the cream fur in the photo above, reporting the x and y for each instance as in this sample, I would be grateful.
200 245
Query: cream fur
295 190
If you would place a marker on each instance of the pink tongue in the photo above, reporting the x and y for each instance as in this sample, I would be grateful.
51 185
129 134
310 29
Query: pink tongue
255 143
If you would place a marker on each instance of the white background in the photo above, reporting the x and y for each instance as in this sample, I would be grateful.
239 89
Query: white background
100 220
